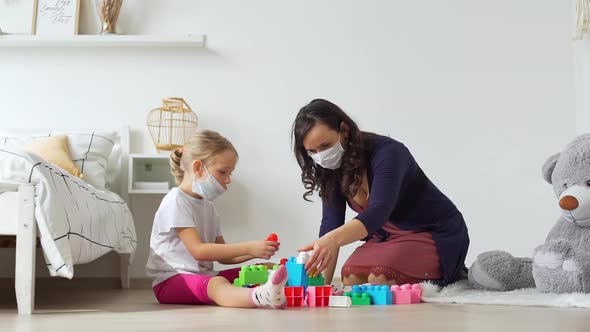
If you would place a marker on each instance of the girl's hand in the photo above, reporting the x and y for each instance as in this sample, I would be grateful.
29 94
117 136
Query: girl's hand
325 253
262 249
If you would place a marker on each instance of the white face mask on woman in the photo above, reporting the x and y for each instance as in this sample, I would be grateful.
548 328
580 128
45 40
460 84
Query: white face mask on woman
208 188
330 158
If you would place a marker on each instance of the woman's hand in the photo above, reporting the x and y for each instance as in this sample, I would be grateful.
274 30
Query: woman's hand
325 254
262 249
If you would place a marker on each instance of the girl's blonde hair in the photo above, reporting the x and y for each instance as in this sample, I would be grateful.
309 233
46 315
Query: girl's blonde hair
204 145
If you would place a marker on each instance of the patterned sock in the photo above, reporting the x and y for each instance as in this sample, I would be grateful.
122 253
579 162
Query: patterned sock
337 289
271 294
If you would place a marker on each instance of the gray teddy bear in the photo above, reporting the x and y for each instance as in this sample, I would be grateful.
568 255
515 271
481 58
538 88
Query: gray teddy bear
562 263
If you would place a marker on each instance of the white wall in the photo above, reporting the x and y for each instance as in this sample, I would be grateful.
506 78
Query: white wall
481 91
582 84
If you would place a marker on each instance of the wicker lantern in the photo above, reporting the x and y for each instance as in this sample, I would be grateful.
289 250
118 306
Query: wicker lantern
172 124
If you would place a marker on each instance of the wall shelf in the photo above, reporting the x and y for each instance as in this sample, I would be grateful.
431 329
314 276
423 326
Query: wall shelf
120 41
150 168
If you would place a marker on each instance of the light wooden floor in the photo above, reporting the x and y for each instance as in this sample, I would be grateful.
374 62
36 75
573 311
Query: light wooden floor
136 310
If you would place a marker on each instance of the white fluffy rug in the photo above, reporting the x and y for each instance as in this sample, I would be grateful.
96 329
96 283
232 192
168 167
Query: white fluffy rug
462 292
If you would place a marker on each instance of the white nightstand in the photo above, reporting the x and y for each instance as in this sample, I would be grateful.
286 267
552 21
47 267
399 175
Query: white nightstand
150 174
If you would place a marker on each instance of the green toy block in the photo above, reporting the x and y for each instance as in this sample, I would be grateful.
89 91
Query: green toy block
252 275
316 281
359 298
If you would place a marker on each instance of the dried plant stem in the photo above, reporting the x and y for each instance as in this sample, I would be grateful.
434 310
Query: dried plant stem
109 13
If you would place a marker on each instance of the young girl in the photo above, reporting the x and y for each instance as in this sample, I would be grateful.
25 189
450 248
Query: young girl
186 237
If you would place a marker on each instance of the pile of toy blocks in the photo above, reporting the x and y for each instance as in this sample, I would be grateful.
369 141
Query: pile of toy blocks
296 271
303 289
384 295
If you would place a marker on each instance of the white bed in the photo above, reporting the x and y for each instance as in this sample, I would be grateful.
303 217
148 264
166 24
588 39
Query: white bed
76 222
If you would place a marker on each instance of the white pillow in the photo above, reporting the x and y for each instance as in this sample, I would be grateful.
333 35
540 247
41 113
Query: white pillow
16 138
89 150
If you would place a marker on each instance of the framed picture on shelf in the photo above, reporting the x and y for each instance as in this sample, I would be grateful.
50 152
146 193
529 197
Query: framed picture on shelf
16 16
56 17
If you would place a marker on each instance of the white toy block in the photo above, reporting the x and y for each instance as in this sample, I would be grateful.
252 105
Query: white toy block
340 301
302 258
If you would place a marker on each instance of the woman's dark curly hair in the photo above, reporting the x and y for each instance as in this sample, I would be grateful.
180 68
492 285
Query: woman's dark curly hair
314 177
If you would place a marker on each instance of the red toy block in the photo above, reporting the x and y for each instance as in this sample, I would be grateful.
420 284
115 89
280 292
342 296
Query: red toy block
274 238
402 295
319 296
283 261
294 295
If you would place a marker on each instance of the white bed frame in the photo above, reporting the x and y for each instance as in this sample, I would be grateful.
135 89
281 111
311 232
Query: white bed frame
18 209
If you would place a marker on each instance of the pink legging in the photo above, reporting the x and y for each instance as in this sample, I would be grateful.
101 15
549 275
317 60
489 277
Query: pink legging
189 288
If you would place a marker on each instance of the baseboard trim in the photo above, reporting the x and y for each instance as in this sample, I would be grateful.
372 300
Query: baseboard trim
141 283
81 283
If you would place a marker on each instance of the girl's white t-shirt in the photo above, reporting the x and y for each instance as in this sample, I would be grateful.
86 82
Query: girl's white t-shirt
168 255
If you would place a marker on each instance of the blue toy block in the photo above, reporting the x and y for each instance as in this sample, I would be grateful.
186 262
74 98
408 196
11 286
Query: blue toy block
359 288
296 273
380 294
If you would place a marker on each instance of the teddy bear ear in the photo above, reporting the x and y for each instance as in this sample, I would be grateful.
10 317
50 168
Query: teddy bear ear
549 166
584 137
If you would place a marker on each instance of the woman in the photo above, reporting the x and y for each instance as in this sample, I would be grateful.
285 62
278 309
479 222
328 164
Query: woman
413 232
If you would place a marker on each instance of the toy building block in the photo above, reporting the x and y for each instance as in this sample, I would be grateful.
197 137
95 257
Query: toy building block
339 301
359 298
358 289
296 273
380 294
252 275
302 258
318 296
274 238
416 293
294 295
283 261
403 294
315 281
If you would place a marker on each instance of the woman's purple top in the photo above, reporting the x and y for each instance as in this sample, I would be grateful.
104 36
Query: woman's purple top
401 193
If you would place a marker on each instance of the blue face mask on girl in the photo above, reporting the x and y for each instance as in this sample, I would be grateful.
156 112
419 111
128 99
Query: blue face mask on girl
209 188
